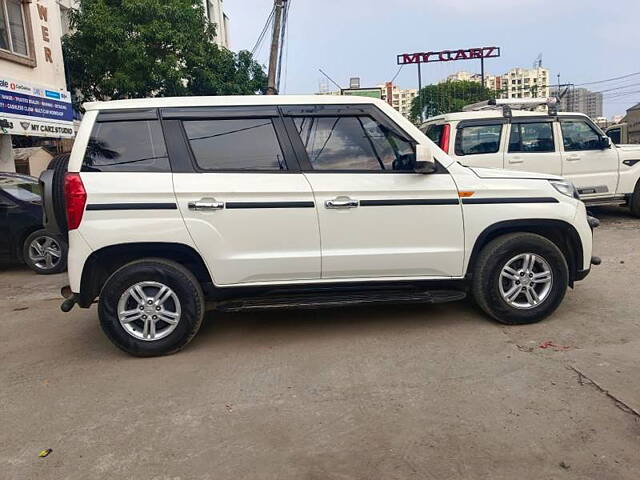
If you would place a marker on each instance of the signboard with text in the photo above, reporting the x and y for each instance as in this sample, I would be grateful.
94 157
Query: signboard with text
363 92
27 109
448 55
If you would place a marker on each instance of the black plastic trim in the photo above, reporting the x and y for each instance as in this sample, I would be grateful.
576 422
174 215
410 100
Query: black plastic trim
131 206
491 201
227 112
630 163
243 205
127 114
416 201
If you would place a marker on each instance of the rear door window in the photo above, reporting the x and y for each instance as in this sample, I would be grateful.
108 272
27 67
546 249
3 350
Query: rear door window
434 132
478 139
126 146
531 137
235 144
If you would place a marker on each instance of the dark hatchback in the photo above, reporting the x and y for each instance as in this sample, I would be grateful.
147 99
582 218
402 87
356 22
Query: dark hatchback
22 236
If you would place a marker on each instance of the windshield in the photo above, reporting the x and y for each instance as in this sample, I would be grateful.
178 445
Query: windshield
21 189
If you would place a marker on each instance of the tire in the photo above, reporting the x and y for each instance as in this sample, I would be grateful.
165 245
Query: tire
45 253
634 201
59 164
489 286
150 274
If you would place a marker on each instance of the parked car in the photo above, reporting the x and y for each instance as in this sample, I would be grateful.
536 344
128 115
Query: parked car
566 144
22 236
298 202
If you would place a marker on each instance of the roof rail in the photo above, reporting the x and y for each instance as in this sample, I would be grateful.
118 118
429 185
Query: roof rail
514 103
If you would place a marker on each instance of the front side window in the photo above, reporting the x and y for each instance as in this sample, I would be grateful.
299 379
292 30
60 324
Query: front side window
579 135
478 139
126 146
13 36
531 137
353 143
235 144
615 135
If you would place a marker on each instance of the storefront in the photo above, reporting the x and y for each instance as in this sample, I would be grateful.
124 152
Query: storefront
35 106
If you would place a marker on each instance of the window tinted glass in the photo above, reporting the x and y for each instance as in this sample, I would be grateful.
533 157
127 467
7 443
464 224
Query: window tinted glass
531 137
20 189
434 132
474 140
126 146
353 143
239 144
578 135
615 135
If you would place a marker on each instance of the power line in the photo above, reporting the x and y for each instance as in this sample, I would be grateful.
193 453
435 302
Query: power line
264 31
608 79
397 73
330 79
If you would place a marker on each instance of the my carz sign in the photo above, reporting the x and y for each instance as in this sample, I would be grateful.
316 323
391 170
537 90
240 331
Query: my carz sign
449 55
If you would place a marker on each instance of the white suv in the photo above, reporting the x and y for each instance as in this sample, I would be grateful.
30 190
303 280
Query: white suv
566 144
310 201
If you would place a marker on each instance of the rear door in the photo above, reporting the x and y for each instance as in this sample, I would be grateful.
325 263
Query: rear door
532 146
377 217
247 206
480 143
593 169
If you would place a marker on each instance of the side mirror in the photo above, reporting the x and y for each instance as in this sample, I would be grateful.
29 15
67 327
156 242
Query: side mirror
605 142
424 160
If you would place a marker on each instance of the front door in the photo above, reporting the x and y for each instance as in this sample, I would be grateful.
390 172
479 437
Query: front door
532 147
247 207
593 169
377 217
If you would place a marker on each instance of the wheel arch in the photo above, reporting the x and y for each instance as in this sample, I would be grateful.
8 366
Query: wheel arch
561 233
101 263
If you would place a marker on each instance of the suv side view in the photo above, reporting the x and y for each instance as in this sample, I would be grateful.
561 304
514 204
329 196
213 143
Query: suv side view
566 144
297 202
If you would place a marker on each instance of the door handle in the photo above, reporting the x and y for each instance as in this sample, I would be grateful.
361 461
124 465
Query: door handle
206 204
341 202
515 160
573 158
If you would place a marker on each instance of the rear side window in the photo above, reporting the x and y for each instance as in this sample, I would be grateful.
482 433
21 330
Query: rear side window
478 139
615 135
531 137
126 146
235 144
353 143
579 135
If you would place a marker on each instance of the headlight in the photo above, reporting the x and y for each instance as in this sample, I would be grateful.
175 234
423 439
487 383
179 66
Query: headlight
565 188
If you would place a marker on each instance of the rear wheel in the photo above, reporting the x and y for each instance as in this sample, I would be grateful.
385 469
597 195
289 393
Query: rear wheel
520 278
45 253
151 307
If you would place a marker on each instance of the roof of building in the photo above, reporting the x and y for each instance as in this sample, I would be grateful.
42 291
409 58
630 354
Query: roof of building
635 107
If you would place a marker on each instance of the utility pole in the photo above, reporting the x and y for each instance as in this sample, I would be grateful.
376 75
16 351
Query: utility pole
275 48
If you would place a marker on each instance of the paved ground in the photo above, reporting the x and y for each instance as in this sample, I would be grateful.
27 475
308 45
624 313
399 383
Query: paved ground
403 392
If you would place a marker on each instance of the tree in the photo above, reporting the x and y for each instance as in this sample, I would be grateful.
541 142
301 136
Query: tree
447 97
150 48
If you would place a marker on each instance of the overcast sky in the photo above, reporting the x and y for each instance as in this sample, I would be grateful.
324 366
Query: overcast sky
582 40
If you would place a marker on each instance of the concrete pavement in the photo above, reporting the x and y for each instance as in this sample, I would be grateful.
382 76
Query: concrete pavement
400 392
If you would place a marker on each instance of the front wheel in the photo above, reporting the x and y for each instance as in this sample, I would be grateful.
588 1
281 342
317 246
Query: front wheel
520 278
151 307
634 201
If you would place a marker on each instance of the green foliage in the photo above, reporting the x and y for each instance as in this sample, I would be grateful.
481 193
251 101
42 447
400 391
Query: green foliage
447 97
150 48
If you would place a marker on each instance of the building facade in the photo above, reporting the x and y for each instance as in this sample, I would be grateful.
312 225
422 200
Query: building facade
580 100
516 83
398 98
214 10
34 101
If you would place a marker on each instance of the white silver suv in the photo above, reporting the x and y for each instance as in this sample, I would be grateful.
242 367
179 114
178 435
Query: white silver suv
303 201
566 144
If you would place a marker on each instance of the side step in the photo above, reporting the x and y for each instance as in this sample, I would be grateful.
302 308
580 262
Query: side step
338 299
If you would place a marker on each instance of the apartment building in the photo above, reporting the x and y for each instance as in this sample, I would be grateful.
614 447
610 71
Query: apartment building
516 83
398 98
579 100
214 10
